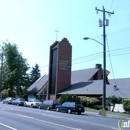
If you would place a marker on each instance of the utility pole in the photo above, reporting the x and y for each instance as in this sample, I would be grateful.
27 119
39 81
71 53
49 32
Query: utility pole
104 23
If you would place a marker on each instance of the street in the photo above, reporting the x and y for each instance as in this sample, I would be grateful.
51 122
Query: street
25 118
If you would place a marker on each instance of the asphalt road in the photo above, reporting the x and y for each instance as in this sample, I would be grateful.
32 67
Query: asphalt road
25 118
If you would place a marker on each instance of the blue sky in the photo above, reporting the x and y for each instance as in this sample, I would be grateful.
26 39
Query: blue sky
31 24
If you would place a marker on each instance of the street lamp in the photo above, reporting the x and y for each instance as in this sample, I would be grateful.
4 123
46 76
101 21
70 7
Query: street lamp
104 71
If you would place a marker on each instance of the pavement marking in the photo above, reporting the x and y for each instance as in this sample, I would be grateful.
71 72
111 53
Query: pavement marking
48 122
114 128
8 126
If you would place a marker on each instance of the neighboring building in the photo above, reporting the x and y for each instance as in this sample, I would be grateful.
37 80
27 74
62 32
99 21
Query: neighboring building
61 80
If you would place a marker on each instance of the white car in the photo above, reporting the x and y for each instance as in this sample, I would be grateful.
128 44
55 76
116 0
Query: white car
32 103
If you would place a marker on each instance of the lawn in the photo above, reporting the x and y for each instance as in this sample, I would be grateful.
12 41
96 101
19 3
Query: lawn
107 112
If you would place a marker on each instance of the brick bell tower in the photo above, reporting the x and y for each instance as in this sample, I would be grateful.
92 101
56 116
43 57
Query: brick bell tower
59 68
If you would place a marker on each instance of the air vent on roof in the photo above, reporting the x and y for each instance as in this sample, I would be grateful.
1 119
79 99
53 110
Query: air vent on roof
115 87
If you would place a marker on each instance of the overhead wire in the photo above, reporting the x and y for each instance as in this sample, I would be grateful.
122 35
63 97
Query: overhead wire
96 56
113 69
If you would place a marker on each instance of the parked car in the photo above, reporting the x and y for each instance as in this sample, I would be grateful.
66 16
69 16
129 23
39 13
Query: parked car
32 103
70 107
19 101
8 100
49 104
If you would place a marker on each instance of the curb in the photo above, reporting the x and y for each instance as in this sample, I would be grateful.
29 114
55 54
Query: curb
107 116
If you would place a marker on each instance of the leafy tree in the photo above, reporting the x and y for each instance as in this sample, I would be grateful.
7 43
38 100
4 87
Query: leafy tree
126 105
113 100
14 70
35 74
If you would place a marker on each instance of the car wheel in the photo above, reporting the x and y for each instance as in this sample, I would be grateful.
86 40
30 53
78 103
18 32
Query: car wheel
57 109
31 105
48 108
79 113
69 111
25 105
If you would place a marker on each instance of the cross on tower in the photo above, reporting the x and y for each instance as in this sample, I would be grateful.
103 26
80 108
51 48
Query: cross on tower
56 34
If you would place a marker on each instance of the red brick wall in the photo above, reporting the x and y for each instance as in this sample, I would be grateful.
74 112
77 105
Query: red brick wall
63 78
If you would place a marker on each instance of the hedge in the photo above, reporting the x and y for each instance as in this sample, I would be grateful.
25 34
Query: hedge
97 107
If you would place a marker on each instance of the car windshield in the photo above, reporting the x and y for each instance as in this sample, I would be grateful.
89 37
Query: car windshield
22 100
36 100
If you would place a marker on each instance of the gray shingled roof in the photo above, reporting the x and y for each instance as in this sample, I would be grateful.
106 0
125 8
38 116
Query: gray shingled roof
82 75
36 86
76 76
82 84
96 88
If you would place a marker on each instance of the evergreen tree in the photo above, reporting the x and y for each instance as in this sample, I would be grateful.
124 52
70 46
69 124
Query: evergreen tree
35 74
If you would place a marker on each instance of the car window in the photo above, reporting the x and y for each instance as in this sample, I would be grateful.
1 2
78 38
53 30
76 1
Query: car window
50 102
65 104
56 102
72 104
36 100
79 105
22 99
44 102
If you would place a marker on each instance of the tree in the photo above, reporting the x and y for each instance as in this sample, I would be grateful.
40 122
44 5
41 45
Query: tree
35 74
113 100
126 105
14 70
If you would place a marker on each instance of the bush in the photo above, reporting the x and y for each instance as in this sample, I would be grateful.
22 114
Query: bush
69 98
126 105
89 101
97 107
112 100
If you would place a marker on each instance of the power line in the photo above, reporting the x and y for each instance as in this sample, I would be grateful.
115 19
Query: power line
97 55
111 62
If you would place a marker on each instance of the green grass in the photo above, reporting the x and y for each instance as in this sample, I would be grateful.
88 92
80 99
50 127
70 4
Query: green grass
107 112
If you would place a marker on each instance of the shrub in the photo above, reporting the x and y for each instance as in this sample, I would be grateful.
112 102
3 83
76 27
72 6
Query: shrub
113 100
126 104
97 107
89 101
69 98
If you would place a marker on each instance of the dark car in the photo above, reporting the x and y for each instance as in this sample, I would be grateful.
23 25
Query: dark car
8 100
70 107
49 104
19 101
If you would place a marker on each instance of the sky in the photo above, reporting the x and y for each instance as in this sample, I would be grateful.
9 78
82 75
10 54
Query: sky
32 25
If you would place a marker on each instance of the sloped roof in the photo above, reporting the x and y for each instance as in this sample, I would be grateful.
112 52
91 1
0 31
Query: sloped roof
82 75
76 76
95 87
36 86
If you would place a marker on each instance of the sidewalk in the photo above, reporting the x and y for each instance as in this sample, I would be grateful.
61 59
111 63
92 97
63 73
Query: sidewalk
108 115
